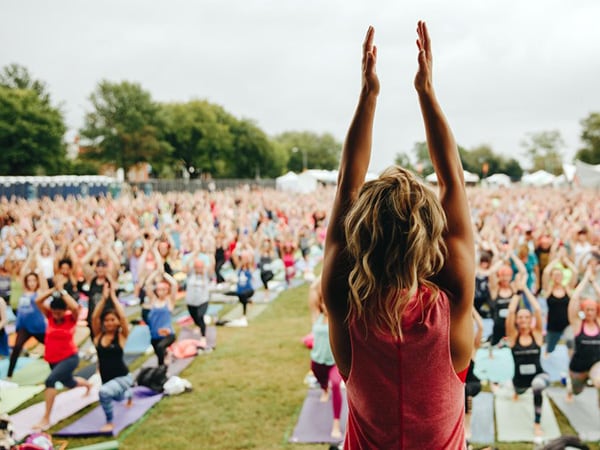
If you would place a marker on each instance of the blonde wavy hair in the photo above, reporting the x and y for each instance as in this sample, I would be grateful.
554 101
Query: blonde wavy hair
394 240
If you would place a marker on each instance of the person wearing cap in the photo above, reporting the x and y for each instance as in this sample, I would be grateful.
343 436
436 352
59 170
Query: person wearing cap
585 362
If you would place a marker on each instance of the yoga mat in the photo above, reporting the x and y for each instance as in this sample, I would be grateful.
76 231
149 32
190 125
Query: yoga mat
482 418
35 372
90 424
500 368
315 420
582 413
514 419
22 361
488 328
29 343
11 398
211 335
66 404
252 312
138 340
557 363
108 445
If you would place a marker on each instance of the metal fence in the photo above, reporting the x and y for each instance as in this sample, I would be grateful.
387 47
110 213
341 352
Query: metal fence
181 185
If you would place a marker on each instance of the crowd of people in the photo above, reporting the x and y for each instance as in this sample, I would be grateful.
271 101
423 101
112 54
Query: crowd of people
537 274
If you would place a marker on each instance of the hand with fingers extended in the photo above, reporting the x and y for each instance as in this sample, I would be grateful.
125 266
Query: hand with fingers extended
423 78
370 81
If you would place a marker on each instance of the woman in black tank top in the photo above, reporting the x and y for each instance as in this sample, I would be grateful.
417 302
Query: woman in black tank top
111 330
525 343
585 362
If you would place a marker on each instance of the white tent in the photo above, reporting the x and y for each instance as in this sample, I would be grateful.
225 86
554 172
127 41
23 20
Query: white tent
539 178
587 175
304 182
498 179
470 178
286 182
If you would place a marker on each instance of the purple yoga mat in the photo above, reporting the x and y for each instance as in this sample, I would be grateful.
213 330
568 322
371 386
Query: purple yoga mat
316 417
66 404
90 424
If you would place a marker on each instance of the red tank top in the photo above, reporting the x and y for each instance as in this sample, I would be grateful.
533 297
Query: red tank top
406 395
59 343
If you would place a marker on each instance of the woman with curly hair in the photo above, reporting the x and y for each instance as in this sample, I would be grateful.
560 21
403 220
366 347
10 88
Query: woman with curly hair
398 281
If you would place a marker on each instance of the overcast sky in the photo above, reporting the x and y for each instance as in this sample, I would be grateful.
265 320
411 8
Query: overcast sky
502 69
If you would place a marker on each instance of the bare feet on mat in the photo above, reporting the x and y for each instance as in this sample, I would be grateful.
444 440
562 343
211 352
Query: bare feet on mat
324 396
336 432
42 425
107 427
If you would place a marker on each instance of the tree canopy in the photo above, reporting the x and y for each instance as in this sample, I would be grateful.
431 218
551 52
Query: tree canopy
544 150
317 151
590 136
31 129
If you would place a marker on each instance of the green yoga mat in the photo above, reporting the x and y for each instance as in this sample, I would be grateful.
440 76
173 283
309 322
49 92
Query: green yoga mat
33 373
514 419
108 445
11 398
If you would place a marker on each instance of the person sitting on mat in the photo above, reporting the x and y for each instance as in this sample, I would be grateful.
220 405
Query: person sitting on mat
585 362
109 323
398 281
162 300
30 320
60 347
322 363
525 340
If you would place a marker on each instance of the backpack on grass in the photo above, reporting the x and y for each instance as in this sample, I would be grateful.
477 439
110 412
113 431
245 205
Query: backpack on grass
152 377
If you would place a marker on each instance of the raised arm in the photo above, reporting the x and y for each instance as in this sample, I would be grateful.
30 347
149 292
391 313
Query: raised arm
459 270
537 310
511 329
354 163
574 302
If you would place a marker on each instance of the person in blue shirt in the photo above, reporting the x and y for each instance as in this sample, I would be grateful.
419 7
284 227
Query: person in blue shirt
244 289
162 299
30 320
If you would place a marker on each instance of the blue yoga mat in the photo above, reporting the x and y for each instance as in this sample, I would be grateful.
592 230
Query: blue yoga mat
138 340
500 368
90 424
482 418
21 362
315 420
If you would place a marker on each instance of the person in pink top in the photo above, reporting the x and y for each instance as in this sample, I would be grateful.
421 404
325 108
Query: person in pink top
398 281
60 348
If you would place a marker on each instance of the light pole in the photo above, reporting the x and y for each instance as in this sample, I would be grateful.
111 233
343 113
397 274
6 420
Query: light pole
304 158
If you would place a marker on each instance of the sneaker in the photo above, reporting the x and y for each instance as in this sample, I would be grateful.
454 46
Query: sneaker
241 322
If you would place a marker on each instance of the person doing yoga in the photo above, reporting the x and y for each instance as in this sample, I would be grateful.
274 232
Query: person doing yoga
322 363
163 296
110 327
585 362
30 320
398 281
525 340
60 347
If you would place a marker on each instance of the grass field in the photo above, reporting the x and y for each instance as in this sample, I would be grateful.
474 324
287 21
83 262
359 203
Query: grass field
247 393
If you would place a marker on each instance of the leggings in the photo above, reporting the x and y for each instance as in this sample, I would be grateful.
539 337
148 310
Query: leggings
326 374
540 382
22 336
117 389
197 313
160 346
244 297
472 388
63 371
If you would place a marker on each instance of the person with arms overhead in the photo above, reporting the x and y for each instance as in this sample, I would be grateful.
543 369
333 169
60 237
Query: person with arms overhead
398 281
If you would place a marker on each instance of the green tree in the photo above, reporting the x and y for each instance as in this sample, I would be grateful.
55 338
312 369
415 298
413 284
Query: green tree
254 154
199 134
318 151
423 166
123 127
544 150
512 168
590 135
31 129
403 160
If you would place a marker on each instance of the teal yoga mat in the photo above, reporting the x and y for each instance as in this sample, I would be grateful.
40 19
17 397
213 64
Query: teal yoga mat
498 369
138 340
514 419
11 398
583 413
21 362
